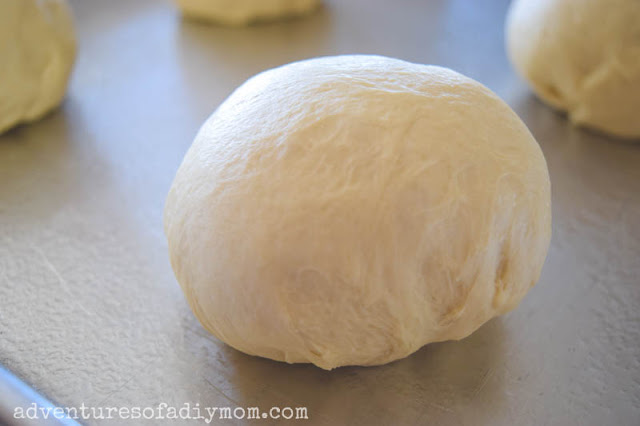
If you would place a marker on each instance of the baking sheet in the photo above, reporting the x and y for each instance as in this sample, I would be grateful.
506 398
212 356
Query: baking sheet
90 311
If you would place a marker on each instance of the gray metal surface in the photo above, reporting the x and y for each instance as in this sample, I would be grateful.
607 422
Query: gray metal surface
90 311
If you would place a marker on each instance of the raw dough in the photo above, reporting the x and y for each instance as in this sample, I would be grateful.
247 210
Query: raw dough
348 210
244 12
582 56
37 50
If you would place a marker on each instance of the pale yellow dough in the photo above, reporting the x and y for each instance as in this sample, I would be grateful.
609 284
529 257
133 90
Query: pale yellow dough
244 12
583 57
349 210
37 51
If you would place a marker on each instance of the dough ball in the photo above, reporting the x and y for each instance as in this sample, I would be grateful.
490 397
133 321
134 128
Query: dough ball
583 57
349 210
37 50
245 12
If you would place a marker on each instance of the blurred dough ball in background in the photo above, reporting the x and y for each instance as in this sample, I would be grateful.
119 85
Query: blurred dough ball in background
349 210
245 12
37 52
583 57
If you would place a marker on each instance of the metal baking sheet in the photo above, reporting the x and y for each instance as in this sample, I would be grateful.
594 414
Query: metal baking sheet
90 311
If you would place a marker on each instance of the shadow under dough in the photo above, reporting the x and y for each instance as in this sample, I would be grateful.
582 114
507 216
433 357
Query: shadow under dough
33 164
439 381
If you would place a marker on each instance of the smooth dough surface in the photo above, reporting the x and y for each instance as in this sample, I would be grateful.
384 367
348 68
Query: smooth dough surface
37 50
348 210
244 12
583 57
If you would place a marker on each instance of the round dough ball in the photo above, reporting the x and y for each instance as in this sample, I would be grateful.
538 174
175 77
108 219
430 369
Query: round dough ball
37 50
245 12
583 57
348 210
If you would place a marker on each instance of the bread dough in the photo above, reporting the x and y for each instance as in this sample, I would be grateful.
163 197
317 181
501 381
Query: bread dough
244 12
348 210
37 50
583 57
